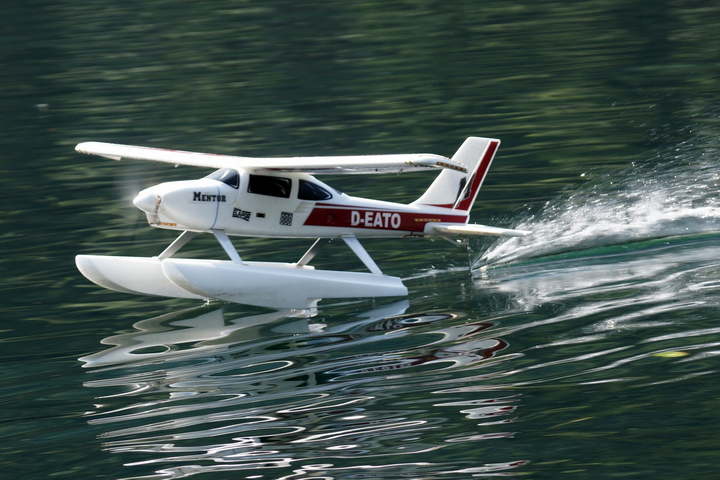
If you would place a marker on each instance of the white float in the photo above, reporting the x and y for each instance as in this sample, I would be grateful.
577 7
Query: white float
265 284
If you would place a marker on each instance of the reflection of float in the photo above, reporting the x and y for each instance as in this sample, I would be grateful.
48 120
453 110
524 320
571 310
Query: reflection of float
198 330
193 331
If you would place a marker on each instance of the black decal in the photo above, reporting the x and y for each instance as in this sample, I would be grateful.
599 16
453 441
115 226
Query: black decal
241 214
286 219
206 197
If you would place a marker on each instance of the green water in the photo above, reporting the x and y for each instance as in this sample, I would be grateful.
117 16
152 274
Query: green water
587 350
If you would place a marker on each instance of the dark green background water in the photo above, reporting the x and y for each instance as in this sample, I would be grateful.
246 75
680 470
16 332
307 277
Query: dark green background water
588 350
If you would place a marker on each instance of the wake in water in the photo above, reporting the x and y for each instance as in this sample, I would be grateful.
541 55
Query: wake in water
674 194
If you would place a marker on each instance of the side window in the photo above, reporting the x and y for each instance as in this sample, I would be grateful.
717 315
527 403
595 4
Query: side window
228 176
271 186
312 191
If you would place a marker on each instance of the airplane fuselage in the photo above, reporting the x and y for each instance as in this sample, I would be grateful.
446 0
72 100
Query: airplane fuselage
244 203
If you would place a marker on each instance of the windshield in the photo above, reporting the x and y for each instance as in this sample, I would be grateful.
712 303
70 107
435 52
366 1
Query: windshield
228 176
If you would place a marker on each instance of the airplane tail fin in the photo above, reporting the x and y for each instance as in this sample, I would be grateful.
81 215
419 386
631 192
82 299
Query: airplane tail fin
457 190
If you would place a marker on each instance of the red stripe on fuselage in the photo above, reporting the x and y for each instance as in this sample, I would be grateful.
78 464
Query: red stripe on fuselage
349 217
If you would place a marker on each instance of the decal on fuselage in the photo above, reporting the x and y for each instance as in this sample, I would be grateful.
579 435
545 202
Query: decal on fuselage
242 214
207 197
286 219
371 219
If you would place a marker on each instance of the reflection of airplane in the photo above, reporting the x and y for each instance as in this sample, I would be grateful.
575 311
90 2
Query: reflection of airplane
194 390
184 342
277 197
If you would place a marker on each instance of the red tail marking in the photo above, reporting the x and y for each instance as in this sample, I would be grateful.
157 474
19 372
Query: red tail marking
478 177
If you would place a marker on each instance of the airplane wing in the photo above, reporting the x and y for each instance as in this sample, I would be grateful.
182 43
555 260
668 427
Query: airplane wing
473 229
313 165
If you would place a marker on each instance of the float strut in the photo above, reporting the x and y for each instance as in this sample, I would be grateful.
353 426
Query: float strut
362 254
179 242
227 245
310 254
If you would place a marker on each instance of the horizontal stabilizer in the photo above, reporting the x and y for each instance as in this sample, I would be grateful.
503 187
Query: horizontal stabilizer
473 229
312 165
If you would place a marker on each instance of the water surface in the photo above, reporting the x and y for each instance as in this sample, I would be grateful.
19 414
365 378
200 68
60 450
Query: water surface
588 350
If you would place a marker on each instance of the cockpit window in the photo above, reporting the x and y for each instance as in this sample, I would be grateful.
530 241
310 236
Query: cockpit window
312 191
272 186
228 176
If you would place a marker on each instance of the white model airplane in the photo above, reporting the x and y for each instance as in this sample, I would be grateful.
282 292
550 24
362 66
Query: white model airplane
279 197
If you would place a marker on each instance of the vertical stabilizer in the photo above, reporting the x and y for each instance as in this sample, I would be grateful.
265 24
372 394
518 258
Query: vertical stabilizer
457 190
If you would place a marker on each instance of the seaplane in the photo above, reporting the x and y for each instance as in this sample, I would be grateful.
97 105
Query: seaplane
281 197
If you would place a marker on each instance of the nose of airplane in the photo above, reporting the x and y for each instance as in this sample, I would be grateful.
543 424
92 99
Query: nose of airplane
147 201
